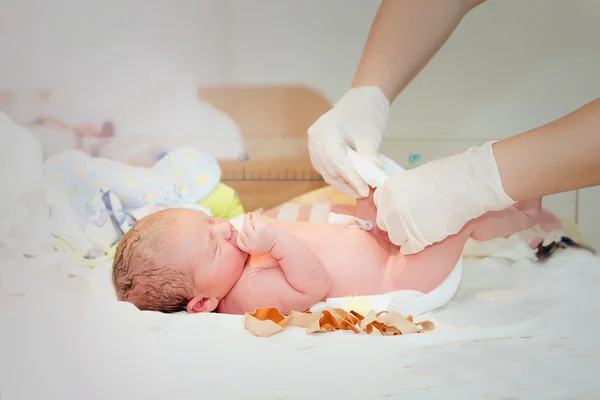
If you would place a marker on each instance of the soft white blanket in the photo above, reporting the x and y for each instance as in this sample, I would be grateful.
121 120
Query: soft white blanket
524 330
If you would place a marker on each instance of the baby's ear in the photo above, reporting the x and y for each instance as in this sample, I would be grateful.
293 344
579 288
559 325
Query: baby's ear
202 304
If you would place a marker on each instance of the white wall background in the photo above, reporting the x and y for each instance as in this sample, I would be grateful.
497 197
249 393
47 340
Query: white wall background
510 66
39 39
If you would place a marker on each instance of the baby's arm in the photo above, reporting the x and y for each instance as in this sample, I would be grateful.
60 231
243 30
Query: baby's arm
301 279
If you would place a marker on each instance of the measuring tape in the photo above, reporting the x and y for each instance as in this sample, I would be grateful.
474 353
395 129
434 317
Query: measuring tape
243 174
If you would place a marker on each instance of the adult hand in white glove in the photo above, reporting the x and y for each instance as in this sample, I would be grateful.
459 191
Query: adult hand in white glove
357 121
425 205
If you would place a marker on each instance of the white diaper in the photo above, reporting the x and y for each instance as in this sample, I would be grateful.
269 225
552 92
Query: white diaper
405 302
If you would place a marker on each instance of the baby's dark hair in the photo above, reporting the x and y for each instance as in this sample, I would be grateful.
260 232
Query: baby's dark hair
140 279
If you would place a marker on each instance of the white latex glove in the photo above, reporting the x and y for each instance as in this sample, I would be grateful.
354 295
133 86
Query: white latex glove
357 121
425 205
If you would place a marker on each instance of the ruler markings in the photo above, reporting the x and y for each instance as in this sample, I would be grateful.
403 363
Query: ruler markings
287 175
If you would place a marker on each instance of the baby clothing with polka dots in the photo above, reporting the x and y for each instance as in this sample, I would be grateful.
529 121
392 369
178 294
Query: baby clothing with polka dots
109 194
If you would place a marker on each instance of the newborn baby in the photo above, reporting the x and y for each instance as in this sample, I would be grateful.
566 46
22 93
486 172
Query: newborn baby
180 259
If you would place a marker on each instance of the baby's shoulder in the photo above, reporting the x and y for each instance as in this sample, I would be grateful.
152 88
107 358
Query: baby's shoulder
235 302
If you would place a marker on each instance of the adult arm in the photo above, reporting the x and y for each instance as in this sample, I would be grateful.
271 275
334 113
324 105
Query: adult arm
554 158
431 202
403 38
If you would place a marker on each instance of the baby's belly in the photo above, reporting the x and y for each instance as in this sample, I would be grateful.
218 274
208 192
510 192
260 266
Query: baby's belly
355 260
359 273
361 264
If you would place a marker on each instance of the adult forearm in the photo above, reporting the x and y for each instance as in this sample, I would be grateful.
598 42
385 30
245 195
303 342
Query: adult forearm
554 158
404 36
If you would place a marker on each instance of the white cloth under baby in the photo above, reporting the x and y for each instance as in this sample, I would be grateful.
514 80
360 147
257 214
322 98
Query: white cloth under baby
406 302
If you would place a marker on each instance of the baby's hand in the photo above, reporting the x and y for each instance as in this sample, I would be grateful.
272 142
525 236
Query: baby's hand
257 236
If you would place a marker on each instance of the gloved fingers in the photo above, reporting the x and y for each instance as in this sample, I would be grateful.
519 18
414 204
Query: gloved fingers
349 174
341 185
396 229
369 149
377 197
415 242
314 155
380 221
326 172
343 175
334 179
315 159
388 219
346 189
411 247
331 176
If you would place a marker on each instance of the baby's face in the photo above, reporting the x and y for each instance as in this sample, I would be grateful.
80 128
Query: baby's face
209 245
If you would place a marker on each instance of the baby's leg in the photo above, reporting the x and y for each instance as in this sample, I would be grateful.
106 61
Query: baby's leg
426 270
517 218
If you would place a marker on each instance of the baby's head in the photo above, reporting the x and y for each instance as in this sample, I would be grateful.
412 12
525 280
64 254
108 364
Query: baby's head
176 260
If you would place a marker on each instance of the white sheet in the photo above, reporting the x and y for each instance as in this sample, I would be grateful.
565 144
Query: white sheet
512 330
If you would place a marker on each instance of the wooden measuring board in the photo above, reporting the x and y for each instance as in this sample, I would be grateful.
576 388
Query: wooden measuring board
268 170
269 183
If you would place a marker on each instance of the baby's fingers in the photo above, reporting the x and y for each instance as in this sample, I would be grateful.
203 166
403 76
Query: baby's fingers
248 226
248 220
254 219
241 241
